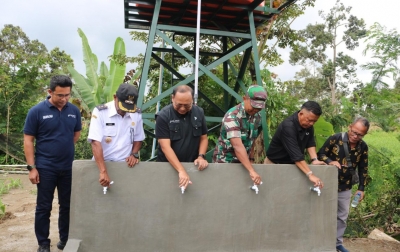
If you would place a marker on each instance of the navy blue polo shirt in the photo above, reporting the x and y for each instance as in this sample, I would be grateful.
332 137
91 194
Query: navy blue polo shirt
54 134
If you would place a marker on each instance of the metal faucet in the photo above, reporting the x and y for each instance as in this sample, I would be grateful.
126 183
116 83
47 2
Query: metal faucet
255 187
106 187
183 188
316 189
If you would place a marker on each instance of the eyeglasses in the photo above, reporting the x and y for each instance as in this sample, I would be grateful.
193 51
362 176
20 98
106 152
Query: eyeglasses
62 95
186 106
356 134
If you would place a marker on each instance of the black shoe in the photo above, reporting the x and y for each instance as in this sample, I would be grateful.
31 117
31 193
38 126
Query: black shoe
61 245
340 248
44 248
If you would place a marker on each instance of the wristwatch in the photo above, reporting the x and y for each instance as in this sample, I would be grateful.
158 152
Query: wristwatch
30 167
313 159
202 155
136 155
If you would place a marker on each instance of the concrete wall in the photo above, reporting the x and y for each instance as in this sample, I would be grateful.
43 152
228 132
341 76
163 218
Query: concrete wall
144 209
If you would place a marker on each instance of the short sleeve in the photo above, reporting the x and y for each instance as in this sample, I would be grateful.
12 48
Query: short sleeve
139 131
95 129
231 125
162 130
31 122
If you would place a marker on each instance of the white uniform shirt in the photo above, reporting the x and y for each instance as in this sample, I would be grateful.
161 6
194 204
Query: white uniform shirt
116 133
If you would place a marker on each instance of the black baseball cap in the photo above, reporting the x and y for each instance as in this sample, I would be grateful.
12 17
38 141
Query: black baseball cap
127 95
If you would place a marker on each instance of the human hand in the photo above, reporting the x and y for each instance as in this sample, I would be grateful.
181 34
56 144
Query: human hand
316 181
34 176
255 177
201 162
104 179
336 163
318 162
183 179
131 161
361 195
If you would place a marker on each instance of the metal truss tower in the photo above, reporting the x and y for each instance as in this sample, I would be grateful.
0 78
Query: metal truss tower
232 22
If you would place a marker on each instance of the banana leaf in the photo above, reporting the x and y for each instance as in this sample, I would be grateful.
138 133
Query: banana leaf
117 72
84 88
91 63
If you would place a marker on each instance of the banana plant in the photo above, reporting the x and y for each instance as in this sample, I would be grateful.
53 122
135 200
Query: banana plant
117 72
98 86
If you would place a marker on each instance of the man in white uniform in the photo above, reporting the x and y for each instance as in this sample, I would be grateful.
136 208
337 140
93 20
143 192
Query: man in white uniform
116 131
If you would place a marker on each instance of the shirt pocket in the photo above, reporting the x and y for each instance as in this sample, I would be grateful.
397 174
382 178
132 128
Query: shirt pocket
197 129
110 131
174 131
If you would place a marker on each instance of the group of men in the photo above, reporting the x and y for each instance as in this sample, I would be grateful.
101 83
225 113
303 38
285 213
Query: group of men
116 134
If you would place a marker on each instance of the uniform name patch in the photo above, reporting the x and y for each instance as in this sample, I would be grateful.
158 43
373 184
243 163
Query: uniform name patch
47 116
110 124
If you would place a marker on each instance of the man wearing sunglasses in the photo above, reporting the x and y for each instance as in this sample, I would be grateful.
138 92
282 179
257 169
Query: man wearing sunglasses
116 131
333 153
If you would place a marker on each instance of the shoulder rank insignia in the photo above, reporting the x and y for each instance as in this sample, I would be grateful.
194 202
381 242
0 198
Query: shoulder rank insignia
101 107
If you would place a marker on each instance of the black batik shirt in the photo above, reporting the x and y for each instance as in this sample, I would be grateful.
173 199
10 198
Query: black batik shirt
333 150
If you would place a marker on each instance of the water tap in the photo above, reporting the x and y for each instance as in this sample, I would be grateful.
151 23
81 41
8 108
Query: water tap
106 187
255 187
183 188
316 189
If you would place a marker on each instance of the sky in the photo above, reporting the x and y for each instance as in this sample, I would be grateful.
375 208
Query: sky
55 24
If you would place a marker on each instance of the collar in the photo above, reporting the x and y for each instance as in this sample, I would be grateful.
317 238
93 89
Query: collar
49 104
180 115
241 108
358 145
297 122
112 111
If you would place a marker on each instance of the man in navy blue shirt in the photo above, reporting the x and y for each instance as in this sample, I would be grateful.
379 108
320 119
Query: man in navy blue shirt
55 125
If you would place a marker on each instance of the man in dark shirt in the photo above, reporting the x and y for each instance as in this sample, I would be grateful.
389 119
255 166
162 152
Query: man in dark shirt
52 128
333 153
293 135
181 131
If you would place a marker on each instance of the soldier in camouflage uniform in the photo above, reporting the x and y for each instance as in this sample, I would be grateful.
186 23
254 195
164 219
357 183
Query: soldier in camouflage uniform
240 127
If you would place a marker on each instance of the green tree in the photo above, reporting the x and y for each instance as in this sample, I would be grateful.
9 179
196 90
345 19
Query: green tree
277 32
381 106
338 70
24 66
385 47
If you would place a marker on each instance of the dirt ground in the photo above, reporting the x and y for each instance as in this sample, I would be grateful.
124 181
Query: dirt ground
17 233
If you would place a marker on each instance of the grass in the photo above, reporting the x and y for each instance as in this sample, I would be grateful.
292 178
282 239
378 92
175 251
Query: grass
5 186
384 140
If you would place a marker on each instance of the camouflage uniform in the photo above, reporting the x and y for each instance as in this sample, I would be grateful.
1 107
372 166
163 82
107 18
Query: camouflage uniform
236 123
